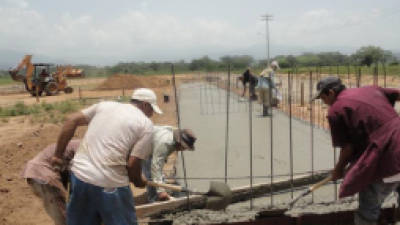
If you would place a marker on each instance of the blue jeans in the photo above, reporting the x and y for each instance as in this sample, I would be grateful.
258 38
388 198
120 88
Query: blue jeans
151 191
370 201
93 205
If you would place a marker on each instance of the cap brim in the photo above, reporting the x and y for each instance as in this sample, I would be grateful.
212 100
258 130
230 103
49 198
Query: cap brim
190 148
179 140
156 109
316 97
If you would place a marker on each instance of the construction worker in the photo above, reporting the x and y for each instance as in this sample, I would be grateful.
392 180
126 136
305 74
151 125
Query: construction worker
43 74
110 155
366 128
166 140
247 77
267 85
50 186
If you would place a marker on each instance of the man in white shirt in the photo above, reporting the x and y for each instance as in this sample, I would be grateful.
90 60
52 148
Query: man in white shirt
267 83
166 140
118 138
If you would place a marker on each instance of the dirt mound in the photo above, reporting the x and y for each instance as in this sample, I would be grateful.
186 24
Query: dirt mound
128 81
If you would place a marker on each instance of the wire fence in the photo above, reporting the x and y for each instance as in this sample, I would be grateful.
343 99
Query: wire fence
218 98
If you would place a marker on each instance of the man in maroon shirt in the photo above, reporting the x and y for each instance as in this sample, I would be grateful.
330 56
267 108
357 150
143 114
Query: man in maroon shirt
366 128
50 185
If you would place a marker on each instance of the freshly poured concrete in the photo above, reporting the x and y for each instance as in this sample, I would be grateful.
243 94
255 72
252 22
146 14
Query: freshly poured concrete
208 160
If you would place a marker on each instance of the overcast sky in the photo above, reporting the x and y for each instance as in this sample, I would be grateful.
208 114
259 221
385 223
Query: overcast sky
104 32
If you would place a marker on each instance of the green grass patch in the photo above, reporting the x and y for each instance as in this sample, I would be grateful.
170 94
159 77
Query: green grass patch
43 112
4 80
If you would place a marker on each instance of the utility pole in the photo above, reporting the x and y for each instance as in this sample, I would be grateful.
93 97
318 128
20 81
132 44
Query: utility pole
267 18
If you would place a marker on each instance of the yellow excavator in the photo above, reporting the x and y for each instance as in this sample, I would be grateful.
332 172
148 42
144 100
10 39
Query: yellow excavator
38 77
71 72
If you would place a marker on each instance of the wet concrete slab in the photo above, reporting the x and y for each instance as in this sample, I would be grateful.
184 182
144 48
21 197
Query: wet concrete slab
208 160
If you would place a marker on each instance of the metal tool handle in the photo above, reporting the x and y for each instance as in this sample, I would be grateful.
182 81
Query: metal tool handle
167 186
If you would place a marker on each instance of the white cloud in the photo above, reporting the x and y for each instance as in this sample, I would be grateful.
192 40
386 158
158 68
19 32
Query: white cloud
145 35
131 35
325 27
16 3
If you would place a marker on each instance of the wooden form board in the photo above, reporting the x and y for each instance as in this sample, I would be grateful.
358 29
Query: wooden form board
239 194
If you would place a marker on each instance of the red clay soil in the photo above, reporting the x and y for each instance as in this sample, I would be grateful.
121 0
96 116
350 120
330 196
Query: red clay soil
21 140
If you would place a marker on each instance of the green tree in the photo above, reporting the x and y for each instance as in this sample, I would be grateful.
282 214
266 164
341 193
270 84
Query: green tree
291 60
370 54
238 61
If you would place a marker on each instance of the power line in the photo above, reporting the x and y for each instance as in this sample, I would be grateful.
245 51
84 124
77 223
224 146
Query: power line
267 18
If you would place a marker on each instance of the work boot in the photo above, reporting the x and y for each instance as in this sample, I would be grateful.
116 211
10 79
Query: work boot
358 220
266 111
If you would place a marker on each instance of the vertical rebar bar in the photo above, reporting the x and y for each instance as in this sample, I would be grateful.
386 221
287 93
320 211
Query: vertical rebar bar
205 91
348 75
228 91
251 149
384 75
271 139
290 132
201 100
218 89
178 120
212 95
335 182
311 130
302 94
337 71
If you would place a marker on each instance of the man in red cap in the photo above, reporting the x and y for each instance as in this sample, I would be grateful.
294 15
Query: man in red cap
366 128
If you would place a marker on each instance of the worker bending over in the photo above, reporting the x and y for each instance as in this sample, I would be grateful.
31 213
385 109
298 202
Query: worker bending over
366 128
50 185
248 77
166 140
110 155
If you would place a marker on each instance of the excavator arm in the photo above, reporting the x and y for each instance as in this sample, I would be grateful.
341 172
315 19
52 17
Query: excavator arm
25 63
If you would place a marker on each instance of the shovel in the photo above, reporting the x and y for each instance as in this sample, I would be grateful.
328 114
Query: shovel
311 189
219 195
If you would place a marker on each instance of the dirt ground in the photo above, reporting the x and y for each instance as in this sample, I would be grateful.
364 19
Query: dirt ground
21 140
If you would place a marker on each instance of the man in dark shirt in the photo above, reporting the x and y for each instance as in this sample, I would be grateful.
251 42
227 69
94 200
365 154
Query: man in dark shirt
366 128
247 77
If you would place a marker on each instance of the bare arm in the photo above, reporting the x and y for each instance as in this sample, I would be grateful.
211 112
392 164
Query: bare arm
135 171
345 155
67 132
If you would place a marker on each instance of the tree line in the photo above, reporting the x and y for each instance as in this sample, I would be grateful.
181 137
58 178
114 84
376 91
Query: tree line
364 56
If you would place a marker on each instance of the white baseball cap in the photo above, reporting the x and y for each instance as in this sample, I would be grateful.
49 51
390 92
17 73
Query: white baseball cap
147 95
275 63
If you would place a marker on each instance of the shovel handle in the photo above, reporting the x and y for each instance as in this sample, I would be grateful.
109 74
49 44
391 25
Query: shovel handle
166 186
321 183
311 189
